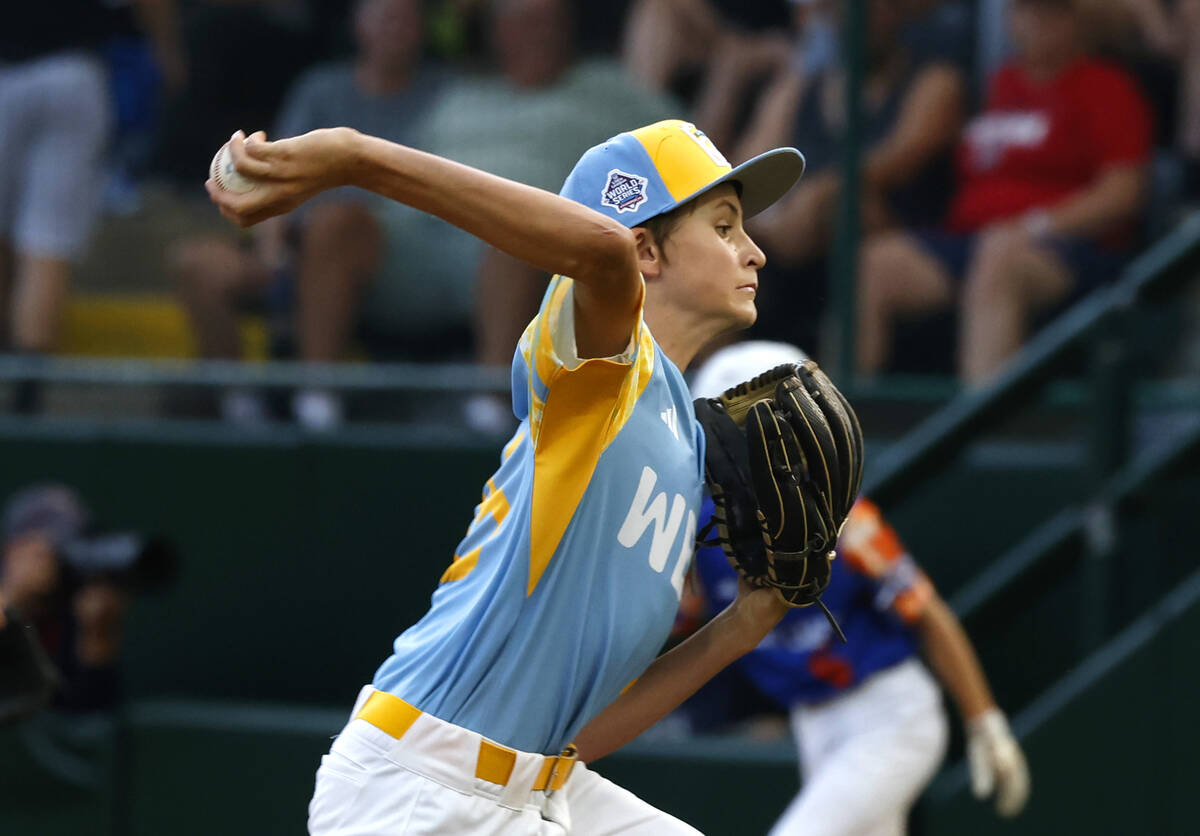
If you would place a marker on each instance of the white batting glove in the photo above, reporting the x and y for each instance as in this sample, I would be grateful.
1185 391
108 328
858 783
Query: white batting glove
997 763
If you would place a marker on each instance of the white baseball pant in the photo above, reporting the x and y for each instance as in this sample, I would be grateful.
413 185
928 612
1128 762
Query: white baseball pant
865 756
427 781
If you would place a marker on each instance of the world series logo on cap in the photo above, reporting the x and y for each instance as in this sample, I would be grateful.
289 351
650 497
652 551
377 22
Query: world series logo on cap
624 192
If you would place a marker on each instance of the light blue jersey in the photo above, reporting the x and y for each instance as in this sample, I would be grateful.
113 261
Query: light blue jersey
567 582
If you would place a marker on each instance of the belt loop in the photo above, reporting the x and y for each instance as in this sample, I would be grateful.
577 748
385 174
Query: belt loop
388 713
495 763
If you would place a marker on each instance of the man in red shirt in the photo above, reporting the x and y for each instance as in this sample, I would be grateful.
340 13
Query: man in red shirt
1051 178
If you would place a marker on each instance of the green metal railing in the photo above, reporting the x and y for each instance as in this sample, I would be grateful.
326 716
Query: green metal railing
412 377
1091 528
1091 524
1100 664
1102 322
1100 318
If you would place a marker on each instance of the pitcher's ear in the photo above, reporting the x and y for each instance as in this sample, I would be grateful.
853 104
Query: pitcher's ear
649 253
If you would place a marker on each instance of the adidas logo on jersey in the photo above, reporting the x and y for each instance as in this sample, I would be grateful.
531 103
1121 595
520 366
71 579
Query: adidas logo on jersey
669 418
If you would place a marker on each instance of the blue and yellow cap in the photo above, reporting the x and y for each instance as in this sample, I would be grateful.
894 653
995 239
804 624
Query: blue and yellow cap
639 174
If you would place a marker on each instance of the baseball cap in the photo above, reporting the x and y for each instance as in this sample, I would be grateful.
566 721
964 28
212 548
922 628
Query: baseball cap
739 362
639 174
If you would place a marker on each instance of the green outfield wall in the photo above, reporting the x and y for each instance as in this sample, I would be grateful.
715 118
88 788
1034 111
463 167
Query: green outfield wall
304 558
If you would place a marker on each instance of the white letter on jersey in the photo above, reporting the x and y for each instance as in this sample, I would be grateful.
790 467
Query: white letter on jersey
643 512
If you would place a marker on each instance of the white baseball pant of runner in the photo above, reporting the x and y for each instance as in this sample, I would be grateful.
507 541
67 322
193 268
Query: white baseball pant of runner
866 755
423 776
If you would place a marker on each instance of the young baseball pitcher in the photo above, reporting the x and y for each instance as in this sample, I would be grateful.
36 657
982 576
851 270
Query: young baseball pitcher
564 588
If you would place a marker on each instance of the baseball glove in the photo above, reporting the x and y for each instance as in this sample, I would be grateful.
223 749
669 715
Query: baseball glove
28 679
783 461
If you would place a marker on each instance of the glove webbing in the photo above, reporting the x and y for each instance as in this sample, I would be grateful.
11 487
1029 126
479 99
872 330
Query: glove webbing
704 541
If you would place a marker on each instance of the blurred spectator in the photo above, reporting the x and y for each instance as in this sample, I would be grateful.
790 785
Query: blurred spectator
74 585
913 107
1159 41
600 27
55 119
243 55
940 30
726 46
327 254
146 67
528 124
1051 183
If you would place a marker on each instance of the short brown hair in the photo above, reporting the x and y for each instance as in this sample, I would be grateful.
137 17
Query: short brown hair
662 226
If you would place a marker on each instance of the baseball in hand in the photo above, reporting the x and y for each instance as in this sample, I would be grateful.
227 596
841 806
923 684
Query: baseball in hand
228 177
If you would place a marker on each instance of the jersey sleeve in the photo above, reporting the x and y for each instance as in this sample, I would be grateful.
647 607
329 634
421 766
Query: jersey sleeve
872 548
600 391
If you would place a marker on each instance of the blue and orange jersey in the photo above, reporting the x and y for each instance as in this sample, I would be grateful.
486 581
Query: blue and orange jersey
566 584
877 593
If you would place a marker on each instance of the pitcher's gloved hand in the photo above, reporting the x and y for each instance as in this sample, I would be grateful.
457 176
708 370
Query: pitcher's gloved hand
783 461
